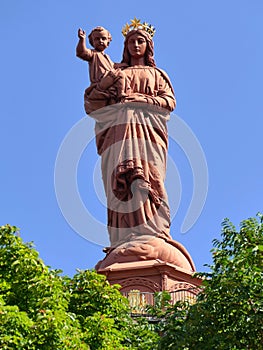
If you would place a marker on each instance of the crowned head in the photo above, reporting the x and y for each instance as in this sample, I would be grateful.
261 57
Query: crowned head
136 24
137 28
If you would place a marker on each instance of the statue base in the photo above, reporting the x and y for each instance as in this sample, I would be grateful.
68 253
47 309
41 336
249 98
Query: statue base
149 265
151 276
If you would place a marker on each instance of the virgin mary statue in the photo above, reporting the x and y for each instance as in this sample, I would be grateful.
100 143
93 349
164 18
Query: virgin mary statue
132 140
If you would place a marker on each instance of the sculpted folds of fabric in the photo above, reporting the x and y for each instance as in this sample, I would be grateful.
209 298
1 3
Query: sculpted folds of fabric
132 141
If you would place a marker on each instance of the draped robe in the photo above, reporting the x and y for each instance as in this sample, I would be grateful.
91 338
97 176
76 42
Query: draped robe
132 141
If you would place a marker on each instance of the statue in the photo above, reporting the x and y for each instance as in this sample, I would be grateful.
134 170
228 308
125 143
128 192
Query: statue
102 74
132 140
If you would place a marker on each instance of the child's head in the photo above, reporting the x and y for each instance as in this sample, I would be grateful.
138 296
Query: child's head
99 38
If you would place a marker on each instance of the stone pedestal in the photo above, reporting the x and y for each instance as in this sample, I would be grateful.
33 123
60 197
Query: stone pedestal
150 276
148 265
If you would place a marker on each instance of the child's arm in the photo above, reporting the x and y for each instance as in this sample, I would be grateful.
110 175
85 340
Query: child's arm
81 49
120 65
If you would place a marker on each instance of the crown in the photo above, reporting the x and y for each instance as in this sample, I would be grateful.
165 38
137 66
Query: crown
136 24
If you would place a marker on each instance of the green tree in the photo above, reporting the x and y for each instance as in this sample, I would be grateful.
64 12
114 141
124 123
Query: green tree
228 313
104 314
42 310
33 300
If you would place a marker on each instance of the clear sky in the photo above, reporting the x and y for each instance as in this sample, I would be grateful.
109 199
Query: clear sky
213 53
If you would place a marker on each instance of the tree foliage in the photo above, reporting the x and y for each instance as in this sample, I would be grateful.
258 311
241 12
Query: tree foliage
40 309
104 315
228 313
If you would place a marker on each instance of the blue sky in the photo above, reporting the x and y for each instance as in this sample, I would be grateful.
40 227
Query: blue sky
213 53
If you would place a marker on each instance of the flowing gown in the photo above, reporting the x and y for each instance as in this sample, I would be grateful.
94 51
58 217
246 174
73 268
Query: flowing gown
132 141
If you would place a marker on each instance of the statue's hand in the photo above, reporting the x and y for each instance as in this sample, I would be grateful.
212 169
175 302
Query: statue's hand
136 97
81 34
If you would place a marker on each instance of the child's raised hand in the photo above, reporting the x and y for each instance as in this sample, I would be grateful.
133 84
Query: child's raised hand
81 34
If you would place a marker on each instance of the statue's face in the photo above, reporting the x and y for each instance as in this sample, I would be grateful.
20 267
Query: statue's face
100 40
137 45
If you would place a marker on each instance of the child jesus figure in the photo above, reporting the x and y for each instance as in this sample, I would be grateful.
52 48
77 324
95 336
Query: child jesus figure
102 72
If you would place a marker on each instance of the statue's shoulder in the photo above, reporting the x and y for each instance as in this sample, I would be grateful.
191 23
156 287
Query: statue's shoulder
163 73
165 76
